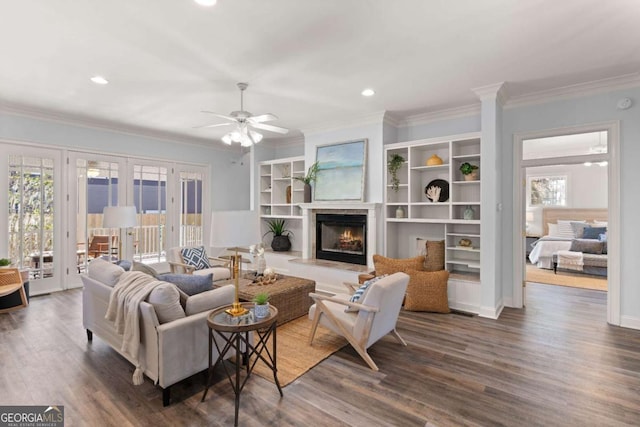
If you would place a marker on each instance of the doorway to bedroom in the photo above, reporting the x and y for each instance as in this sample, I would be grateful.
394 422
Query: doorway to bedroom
566 210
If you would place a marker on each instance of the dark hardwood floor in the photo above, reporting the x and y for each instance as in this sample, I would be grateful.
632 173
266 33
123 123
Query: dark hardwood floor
555 363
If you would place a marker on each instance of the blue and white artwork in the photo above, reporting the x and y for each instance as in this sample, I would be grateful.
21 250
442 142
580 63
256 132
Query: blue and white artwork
341 171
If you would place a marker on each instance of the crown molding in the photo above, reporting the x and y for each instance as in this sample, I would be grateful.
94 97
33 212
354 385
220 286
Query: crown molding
439 115
576 90
367 119
390 119
497 91
107 125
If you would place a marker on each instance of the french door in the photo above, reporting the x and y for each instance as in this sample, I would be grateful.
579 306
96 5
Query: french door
32 235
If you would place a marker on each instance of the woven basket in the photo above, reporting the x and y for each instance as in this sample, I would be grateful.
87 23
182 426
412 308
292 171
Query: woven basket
434 255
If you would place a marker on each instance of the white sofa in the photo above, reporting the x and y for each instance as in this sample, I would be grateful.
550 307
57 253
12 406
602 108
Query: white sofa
169 352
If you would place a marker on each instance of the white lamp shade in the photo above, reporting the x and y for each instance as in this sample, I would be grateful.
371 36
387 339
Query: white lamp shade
119 217
234 228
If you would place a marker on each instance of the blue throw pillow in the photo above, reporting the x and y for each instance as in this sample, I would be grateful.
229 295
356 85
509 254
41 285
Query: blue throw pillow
196 257
593 232
358 295
188 283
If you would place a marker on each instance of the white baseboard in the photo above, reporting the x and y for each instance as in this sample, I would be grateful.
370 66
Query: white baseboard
469 308
630 322
491 312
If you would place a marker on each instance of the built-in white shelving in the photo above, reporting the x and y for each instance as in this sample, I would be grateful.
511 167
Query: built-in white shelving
280 193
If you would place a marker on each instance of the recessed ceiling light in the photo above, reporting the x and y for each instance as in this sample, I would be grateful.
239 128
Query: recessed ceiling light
206 2
99 80
368 92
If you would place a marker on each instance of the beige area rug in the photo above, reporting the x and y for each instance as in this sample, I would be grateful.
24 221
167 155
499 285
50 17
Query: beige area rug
295 356
566 278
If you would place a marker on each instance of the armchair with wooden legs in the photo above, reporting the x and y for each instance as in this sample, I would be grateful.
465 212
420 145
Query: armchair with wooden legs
376 315
11 282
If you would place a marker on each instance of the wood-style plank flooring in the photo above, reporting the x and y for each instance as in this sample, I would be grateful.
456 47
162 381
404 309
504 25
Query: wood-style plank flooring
555 363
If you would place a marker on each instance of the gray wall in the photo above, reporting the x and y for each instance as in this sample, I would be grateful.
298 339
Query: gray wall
572 112
229 180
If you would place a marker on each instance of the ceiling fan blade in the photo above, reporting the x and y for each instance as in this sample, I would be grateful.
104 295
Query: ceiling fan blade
262 118
270 128
220 115
212 126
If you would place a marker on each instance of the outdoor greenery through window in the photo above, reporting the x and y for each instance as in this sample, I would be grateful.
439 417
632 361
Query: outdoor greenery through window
548 191
31 211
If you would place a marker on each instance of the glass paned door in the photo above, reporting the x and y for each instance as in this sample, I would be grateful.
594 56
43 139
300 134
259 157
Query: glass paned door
31 214
96 182
191 230
149 192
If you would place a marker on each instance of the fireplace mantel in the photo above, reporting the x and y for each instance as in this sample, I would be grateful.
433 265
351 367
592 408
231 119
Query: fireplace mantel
309 226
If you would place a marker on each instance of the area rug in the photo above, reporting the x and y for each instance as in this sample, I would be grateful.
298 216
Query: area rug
295 356
566 278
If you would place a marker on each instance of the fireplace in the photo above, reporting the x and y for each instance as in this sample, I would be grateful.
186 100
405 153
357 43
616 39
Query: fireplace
342 237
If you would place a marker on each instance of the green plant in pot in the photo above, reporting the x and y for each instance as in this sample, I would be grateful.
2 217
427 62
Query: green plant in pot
281 241
394 164
5 262
312 174
261 304
469 171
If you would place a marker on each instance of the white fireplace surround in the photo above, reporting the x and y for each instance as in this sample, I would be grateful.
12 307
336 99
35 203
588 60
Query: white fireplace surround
309 211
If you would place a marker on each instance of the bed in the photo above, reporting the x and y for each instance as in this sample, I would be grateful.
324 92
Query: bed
543 249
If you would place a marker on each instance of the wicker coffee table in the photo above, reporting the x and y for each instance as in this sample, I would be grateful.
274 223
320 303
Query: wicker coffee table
289 294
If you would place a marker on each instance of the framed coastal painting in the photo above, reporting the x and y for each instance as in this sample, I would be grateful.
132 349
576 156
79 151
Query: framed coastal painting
341 171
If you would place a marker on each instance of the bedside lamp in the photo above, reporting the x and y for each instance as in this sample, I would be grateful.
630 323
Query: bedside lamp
119 217
231 229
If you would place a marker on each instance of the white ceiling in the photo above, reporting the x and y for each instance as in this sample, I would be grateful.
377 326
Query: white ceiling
306 61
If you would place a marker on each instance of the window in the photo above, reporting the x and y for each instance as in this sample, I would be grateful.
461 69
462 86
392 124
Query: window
548 191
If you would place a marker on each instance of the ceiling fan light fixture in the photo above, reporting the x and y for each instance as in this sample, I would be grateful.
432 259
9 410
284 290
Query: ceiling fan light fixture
227 139
257 137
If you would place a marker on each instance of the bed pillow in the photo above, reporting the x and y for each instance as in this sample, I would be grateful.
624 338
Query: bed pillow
565 229
597 223
603 239
553 230
587 246
593 232
578 228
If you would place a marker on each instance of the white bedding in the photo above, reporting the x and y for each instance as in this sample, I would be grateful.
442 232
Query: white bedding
541 255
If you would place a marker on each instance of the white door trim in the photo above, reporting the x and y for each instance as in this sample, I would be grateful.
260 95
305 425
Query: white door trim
613 229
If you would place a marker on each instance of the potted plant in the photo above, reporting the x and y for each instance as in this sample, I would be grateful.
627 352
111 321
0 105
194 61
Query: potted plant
469 171
394 164
261 305
280 242
312 174
4 262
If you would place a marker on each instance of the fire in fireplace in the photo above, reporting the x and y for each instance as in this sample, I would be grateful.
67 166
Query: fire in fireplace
341 238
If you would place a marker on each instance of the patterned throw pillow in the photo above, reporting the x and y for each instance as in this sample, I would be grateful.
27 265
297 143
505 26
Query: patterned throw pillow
359 294
196 257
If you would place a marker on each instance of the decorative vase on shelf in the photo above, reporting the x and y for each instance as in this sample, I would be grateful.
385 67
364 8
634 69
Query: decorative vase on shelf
288 194
469 213
434 160
307 193
400 212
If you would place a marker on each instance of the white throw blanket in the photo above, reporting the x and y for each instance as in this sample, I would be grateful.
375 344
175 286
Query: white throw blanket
570 260
132 288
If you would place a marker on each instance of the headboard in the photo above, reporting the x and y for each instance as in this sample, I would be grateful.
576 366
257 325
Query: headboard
552 215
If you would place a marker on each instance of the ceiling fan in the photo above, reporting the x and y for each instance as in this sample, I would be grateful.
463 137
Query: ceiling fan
245 123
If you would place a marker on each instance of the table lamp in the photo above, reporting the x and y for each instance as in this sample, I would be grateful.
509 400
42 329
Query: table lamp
231 229
119 217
